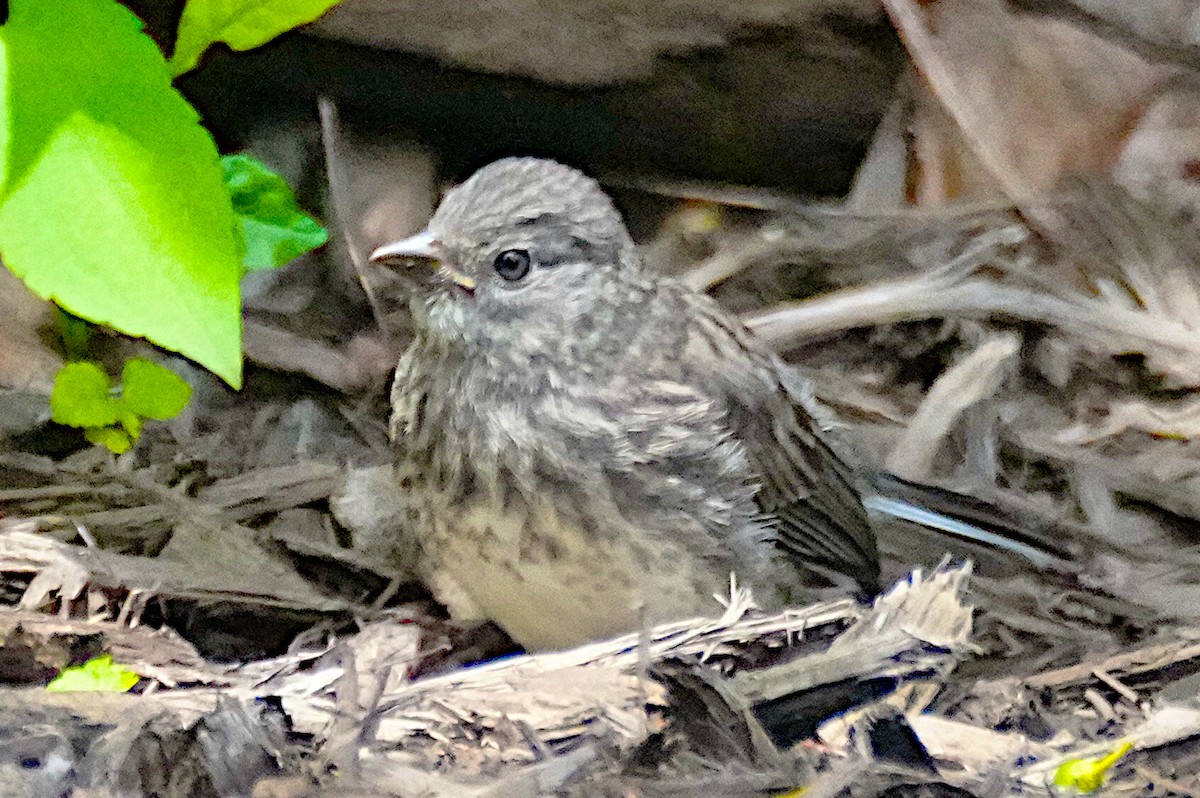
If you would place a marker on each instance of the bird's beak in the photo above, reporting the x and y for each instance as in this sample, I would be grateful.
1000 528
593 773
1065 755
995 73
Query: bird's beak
422 245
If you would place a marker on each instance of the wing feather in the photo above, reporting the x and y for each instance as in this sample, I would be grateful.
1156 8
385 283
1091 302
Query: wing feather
804 485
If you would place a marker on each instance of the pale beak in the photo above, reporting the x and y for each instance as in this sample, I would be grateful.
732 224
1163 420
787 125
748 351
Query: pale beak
422 245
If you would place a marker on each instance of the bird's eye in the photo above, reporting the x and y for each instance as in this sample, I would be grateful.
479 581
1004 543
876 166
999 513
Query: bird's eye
512 264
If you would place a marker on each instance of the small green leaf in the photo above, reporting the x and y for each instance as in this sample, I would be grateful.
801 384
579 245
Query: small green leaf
242 24
82 396
111 197
273 227
131 422
152 391
115 439
97 675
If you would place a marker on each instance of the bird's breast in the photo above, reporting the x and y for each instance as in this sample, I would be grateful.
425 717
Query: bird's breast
550 581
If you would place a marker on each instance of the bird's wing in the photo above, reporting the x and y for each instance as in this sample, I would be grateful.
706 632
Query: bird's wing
804 484
663 452
809 489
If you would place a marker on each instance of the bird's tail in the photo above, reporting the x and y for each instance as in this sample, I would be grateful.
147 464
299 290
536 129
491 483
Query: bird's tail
971 520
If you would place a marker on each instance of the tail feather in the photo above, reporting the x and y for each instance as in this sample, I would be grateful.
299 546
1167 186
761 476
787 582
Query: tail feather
968 518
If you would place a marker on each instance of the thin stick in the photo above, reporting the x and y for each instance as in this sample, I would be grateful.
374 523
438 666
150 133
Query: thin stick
920 298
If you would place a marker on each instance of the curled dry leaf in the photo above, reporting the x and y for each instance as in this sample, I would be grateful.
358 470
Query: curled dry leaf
1035 99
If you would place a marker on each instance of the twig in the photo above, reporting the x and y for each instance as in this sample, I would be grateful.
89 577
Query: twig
1142 660
919 298
973 379
1122 689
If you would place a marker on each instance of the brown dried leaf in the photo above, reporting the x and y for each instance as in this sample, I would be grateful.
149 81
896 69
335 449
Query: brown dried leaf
1036 99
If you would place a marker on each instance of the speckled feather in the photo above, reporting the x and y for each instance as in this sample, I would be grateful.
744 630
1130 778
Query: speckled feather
595 446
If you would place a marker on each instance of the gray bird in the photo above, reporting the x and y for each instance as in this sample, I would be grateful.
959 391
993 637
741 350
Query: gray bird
586 446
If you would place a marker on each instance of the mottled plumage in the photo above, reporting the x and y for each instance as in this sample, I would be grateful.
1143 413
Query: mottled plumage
591 445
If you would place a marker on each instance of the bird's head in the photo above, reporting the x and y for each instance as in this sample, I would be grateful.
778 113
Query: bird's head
523 248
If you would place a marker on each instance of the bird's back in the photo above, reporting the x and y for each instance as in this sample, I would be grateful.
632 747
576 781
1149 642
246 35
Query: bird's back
803 485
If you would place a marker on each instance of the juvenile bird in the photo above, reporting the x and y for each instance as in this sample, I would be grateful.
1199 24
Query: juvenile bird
586 446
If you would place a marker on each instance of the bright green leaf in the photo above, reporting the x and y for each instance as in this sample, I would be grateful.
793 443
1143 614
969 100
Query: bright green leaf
131 423
112 202
82 396
97 675
153 391
242 24
115 439
274 229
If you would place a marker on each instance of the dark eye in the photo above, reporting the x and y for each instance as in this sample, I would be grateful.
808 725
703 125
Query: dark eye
512 264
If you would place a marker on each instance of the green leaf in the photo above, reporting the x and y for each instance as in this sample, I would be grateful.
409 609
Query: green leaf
242 24
273 228
82 396
112 202
115 439
131 423
97 675
153 391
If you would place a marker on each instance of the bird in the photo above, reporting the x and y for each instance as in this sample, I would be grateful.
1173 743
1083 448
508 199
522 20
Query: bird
585 446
